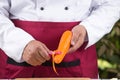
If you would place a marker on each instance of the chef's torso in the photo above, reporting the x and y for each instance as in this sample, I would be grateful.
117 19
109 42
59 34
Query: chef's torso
50 10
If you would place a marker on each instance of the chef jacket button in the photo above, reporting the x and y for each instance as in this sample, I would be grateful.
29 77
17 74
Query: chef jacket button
66 8
42 8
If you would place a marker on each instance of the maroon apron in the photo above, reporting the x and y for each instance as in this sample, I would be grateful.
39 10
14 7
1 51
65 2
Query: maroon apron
82 63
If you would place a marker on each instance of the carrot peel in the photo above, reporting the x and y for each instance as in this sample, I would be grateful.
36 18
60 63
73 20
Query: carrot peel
53 64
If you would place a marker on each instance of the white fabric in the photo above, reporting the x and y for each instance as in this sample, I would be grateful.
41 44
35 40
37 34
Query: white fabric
98 17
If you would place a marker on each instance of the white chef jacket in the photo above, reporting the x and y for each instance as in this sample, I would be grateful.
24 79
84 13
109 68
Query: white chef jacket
98 17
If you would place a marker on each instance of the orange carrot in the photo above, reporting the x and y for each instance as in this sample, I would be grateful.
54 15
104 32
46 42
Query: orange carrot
63 47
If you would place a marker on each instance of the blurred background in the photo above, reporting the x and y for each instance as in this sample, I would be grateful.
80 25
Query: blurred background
108 49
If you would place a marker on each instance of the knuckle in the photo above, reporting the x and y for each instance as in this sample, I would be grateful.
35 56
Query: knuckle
43 61
48 58
28 60
34 64
74 48
40 64
43 44
38 48
31 51
30 56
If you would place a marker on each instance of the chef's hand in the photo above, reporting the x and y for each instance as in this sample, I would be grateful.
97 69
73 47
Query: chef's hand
79 35
35 53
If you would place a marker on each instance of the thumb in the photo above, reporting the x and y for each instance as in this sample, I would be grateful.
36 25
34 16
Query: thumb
74 38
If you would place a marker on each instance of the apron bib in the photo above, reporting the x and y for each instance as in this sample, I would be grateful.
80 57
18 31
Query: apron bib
82 63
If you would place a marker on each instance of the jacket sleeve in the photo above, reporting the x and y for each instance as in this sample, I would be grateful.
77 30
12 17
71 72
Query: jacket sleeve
104 14
12 39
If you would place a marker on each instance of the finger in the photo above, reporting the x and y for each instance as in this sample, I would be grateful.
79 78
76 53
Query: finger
44 53
36 60
74 38
33 62
39 58
48 51
77 45
33 58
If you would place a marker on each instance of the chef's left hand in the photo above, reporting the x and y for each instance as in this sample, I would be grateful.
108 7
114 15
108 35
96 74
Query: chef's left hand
79 35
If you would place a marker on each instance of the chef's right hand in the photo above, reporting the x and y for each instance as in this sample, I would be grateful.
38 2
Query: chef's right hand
35 53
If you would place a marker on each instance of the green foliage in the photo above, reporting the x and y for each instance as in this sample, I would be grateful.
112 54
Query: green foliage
108 49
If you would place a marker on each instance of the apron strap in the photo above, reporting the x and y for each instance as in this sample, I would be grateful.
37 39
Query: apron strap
47 63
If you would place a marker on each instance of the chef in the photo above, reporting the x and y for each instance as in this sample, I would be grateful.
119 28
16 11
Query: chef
31 29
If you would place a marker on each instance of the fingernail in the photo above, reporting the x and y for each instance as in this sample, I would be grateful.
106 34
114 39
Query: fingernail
51 52
58 52
73 43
